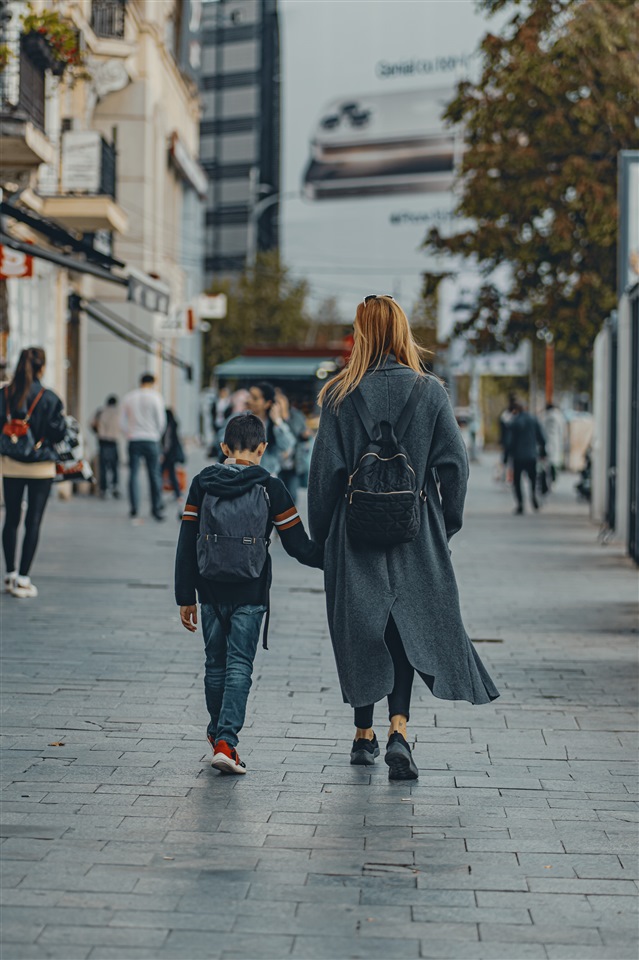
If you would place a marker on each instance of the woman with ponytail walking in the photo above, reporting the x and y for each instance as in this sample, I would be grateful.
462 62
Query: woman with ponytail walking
386 494
31 421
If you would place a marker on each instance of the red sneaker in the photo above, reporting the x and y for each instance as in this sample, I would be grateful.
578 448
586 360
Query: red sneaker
226 760
212 742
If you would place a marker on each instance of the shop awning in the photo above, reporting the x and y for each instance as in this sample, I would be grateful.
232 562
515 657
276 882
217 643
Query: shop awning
277 368
62 260
58 235
126 330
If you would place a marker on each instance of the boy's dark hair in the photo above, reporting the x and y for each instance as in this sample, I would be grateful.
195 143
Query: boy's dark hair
267 389
147 378
244 432
112 400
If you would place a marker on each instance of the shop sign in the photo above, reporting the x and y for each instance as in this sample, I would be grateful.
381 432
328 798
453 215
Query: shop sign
14 264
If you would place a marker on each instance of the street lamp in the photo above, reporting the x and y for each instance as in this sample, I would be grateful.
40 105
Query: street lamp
257 208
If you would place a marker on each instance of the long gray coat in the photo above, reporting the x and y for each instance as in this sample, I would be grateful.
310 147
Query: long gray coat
414 580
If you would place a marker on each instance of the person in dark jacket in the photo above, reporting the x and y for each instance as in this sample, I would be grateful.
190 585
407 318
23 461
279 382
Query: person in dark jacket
232 612
392 610
26 397
172 452
525 442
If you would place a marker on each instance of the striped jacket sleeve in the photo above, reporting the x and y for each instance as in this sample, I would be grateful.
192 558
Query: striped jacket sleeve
288 524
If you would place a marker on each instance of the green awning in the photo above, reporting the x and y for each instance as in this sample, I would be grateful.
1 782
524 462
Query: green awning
277 368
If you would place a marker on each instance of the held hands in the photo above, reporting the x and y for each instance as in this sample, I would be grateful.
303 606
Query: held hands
188 616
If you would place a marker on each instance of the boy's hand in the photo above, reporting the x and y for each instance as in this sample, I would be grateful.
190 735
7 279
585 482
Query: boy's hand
188 616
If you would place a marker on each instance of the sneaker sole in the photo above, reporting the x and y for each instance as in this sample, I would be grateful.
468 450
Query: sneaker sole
400 766
225 765
22 595
362 758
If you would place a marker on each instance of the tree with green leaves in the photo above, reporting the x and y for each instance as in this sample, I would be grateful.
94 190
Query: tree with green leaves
265 307
557 99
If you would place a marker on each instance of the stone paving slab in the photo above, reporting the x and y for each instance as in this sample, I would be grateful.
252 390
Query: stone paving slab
518 841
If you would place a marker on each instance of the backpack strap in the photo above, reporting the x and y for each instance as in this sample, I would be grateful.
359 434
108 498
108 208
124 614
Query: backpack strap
34 405
29 411
372 429
407 413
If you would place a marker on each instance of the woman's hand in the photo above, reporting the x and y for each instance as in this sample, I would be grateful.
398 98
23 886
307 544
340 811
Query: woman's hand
188 616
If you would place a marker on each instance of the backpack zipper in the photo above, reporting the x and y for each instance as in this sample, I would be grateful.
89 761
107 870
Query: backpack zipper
383 460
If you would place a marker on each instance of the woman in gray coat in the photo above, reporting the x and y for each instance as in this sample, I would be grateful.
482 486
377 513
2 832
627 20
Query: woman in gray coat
392 609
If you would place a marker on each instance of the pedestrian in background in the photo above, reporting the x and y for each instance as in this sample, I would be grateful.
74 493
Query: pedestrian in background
221 408
554 427
393 609
290 464
172 452
106 424
143 421
280 441
525 443
31 421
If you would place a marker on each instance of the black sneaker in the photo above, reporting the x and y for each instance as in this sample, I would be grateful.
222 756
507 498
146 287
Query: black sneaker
399 759
364 752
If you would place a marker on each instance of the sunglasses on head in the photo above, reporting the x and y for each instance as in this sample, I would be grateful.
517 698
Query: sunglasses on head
377 296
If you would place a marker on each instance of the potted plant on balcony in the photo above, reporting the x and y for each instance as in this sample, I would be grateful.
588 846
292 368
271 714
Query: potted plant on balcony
53 42
5 56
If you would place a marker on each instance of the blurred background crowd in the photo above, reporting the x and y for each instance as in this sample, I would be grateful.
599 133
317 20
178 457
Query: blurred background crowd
190 189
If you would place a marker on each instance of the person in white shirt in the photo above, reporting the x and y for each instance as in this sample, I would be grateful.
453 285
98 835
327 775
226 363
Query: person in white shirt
143 421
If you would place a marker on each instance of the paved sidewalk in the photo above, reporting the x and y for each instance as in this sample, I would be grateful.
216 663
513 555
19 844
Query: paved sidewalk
518 841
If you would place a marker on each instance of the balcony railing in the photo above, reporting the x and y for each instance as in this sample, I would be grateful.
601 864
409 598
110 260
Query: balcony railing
107 18
89 166
22 86
108 169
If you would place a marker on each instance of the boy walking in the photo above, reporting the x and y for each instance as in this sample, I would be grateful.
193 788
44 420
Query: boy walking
222 554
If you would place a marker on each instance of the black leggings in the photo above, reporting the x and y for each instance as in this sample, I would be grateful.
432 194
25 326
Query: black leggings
37 495
399 697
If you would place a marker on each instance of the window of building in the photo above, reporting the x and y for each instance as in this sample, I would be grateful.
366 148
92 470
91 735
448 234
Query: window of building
207 148
240 103
209 59
234 191
238 147
227 240
232 239
239 57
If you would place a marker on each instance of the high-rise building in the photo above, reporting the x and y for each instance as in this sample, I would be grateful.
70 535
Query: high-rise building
240 130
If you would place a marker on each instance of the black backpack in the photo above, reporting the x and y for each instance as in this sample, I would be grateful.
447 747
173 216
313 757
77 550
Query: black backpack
383 497
231 543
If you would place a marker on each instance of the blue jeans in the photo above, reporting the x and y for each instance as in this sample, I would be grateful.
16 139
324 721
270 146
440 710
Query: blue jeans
228 667
149 451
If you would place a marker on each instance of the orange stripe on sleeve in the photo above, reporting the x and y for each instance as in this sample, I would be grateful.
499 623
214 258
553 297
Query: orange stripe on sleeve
284 516
287 526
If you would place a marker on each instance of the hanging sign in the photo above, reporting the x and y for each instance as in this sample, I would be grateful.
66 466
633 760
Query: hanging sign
14 264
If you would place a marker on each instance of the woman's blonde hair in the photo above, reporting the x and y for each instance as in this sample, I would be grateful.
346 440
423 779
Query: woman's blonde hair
381 327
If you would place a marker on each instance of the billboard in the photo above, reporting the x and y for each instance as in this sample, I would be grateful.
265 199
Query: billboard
368 163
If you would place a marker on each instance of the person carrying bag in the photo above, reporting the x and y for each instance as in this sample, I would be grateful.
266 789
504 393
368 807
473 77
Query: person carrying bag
386 494
31 423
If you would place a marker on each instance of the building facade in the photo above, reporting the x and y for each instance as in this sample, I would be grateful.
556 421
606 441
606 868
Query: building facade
240 130
103 191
